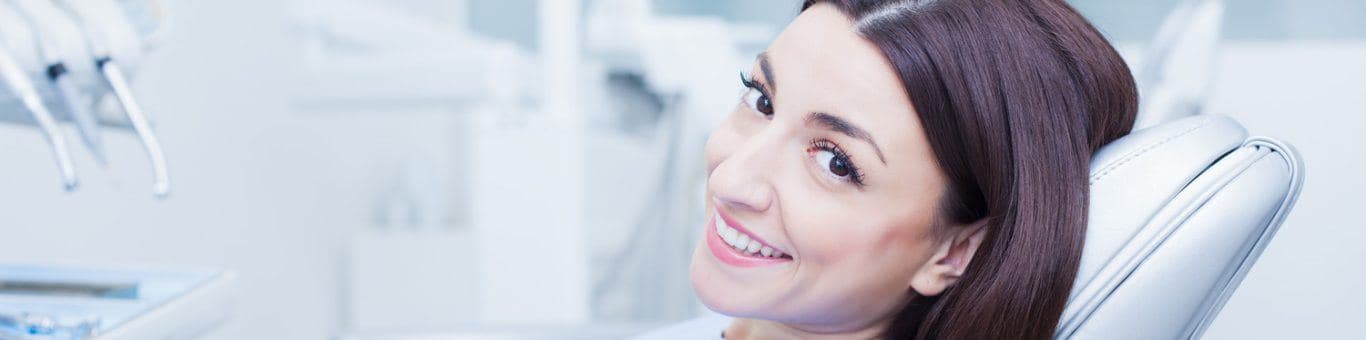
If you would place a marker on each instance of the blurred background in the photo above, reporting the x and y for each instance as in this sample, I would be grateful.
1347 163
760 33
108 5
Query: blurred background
375 169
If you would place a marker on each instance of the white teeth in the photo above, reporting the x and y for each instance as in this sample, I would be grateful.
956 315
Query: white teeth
741 241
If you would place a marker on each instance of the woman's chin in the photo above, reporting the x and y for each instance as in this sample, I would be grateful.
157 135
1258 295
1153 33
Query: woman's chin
722 294
719 300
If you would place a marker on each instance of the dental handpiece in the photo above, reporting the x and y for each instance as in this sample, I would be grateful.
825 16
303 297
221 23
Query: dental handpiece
86 122
19 82
45 19
114 78
161 186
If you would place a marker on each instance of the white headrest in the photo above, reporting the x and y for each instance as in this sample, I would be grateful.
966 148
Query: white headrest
1178 213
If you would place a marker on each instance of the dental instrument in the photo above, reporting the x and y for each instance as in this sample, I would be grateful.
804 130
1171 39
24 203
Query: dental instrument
23 325
51 25
113 75
23 87
114 78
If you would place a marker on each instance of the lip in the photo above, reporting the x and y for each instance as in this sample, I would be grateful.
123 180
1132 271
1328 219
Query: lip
728 255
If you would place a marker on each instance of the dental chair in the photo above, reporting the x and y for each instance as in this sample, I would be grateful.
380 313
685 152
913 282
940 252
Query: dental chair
1180 208
1179 212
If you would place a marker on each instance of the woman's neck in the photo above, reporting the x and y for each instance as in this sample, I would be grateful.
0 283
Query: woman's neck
757 329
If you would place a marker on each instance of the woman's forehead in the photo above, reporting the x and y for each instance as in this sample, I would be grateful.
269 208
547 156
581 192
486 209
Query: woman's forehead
821 64
821 43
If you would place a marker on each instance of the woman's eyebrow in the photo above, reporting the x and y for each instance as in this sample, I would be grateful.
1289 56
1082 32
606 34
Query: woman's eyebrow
837 124
765 67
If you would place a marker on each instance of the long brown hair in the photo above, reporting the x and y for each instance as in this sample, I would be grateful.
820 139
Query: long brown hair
1014 96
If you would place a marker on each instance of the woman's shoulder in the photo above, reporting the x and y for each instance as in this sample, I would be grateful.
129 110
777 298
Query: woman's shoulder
705 327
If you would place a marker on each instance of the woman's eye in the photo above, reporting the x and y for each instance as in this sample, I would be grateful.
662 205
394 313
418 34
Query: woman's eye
835 162
836 165
755 97
759 102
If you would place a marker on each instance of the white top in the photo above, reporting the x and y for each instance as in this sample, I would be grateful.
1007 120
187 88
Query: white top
706 327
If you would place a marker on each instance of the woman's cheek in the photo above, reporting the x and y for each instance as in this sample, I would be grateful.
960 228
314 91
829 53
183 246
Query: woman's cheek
821 231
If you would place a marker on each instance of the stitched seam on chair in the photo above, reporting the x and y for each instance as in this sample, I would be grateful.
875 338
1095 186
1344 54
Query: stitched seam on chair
1172 226
1103 174
1144 150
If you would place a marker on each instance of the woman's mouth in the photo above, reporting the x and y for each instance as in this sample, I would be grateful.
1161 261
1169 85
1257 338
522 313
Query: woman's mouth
738 247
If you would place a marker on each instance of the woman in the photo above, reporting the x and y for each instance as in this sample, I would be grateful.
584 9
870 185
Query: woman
908 169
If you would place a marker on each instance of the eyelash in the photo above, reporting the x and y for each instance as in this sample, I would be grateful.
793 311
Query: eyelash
753 84
855 174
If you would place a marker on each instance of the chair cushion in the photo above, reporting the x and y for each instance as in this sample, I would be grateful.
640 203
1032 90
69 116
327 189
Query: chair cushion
1178 213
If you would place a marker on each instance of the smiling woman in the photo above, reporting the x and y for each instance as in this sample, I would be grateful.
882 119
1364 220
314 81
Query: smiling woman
909 169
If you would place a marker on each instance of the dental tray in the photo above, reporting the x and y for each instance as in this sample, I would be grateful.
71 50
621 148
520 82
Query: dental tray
110 303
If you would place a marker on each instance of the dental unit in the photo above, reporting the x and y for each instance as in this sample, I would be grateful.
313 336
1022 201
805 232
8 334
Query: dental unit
83 49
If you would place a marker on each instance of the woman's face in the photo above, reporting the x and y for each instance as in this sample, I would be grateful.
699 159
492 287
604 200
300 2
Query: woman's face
824 175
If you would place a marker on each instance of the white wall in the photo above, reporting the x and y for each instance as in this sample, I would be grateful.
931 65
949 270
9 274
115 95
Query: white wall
1308 283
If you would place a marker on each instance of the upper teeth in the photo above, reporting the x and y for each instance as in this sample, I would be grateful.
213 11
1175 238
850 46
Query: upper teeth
740 241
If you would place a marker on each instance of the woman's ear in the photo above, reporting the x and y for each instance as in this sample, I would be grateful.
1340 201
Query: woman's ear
951 257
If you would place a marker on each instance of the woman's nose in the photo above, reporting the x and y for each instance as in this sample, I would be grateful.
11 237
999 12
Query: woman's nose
744 179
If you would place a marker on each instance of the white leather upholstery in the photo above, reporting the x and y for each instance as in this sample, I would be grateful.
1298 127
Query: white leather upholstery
1178 214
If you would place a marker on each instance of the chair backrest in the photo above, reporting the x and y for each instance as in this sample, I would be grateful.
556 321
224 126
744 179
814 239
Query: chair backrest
1179 213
